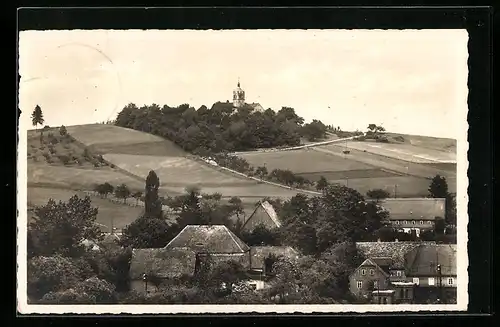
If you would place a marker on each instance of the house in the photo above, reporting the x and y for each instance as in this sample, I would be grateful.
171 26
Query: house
433 269
384 269
149 267
414 214
264 215
369 276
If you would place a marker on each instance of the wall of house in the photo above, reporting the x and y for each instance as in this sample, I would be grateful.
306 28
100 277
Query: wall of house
433 281
413 223
398 275
366 280
404 294
383 299
259 217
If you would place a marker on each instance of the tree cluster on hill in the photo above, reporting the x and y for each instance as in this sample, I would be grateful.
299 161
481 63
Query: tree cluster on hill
439 189
222 128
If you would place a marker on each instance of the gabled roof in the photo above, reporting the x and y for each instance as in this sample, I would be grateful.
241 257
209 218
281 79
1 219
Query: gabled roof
423 260
414 208
269 209
369 262
394 250
208 238
162 263
259 253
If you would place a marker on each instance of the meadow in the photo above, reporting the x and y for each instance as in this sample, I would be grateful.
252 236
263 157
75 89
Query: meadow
109 213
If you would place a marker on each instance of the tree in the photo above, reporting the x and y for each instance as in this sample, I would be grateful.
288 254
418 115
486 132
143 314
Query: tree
261 171
314 130
137 196
122 192
153 205
61 227
107 189
377 194
37 117
439 225
322 183
438 187
227 273
99 290
63 131
148 232
260 235
52 273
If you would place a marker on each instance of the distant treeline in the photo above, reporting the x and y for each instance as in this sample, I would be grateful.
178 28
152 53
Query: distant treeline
221 128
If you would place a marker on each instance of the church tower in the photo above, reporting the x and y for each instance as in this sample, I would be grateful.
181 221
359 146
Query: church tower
238 96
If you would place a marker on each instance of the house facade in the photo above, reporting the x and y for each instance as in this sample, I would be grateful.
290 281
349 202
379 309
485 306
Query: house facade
367 278
414 214
389 257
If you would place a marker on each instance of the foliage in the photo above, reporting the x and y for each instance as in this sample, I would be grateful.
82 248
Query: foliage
104 189
52 274
314 130
439 189
122 192
37 116
218 129
322 183
260 235
378 194
148 232
61 227
63 131
153 205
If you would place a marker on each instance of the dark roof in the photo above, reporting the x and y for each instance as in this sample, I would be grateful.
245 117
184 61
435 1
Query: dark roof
423 260
270 212
259 253
394 250
162 263
208 238
414 208
382 261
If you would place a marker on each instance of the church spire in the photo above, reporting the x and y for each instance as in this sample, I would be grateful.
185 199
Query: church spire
238 82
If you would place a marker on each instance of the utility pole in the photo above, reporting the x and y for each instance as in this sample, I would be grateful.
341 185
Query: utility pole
440 285
347 181
395 190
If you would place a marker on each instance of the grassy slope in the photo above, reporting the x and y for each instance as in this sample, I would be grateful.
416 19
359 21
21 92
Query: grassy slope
138 153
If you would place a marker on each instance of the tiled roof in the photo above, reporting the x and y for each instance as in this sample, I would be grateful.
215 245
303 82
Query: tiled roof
382 261
259 253
208 238
414 208
423 260
394 250
162 263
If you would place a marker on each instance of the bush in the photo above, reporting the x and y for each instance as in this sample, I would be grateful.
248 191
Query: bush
113 166
64 159
54 140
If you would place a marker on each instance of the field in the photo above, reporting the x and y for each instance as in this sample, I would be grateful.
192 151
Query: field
404 151
393 167
109 214
425 142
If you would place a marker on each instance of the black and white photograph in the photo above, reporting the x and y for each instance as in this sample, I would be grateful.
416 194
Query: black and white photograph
226 171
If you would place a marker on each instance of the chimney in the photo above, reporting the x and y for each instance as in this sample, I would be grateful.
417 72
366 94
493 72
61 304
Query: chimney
396 240
378 240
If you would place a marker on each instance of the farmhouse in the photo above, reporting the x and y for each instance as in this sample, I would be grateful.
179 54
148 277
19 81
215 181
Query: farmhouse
263 215
414 214
184 254
433 268
384 269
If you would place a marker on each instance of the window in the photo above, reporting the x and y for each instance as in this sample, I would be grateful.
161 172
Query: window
397 222
413 222
431 281
416 281
421 222
363 272
253 286
375 284
404 221
372 272
450 281
359 284
398 273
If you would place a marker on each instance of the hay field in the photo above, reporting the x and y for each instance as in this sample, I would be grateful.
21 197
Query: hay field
426 142
109 213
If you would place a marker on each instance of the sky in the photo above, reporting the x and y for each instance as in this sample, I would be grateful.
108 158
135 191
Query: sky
409 81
